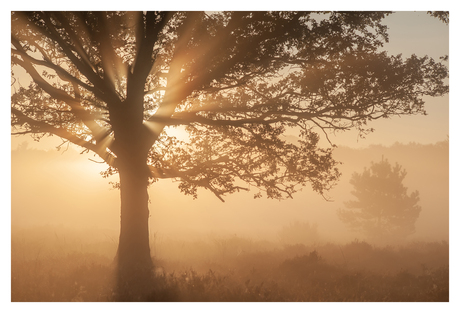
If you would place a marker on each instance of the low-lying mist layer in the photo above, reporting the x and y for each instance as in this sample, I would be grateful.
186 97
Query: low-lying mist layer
242 250
66 189
54 264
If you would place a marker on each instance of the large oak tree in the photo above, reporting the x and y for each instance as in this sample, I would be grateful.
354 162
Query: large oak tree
114 83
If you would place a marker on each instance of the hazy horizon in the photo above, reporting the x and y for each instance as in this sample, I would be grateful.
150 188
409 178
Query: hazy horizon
75 195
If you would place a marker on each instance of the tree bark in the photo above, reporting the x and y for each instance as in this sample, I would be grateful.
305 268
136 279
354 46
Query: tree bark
132 141
134 263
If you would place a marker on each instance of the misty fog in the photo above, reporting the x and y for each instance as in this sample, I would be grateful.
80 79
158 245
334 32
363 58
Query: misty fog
65 189
65 227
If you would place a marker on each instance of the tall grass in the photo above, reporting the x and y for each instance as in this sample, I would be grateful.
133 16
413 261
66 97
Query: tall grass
47 267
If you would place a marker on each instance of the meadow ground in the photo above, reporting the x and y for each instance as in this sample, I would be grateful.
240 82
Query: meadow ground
49 266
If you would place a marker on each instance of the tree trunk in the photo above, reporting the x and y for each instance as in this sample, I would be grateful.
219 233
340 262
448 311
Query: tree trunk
134 263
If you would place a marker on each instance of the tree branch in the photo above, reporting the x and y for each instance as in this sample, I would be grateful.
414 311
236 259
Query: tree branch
61 132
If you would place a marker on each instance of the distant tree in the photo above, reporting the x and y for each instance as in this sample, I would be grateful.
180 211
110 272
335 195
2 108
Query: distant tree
383 209
115 83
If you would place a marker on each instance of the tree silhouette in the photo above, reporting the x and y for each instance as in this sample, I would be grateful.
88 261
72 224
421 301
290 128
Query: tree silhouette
115 83
383 210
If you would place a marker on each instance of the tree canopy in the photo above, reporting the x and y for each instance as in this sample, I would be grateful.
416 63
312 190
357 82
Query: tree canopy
383 208
113 82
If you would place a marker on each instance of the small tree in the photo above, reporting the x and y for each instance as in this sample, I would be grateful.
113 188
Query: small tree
383 209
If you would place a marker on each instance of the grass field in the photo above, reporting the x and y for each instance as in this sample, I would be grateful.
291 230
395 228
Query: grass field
50 266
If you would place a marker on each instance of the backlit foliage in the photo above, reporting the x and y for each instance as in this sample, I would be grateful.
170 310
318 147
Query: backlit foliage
235 81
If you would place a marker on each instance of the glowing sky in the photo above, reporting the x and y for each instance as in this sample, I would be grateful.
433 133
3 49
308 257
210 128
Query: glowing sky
420 34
